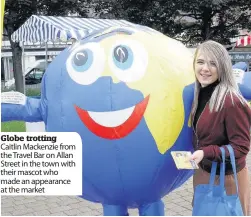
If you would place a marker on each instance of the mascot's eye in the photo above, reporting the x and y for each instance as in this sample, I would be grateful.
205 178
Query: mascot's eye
123 57
128 61
83 60
86 63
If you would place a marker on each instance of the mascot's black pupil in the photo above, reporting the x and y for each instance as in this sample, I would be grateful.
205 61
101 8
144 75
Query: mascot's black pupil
120 54
80 58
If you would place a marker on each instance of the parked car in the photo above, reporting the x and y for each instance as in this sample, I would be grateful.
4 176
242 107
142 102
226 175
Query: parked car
33 74
35 77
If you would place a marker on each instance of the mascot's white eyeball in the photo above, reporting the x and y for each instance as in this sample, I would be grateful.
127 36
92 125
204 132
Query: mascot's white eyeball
128 60
86 64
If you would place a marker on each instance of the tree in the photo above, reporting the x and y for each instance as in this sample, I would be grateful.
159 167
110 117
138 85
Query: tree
191 21
17 12
219 20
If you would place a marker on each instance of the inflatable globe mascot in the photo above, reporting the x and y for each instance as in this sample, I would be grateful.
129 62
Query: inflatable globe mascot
128 92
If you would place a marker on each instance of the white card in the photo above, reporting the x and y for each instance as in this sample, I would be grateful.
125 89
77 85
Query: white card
13 97
238 74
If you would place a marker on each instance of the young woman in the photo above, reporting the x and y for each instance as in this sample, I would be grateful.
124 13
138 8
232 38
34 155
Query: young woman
221 116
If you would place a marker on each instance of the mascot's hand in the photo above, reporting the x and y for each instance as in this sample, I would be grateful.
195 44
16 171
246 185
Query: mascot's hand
16 106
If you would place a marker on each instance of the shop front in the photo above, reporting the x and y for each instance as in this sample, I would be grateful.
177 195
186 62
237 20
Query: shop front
241 57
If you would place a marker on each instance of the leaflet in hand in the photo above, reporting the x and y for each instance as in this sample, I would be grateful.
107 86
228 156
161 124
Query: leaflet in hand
181 159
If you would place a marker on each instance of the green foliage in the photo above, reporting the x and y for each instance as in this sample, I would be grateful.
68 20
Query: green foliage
28 92
13 126
18 11
33 92
56 7
191 21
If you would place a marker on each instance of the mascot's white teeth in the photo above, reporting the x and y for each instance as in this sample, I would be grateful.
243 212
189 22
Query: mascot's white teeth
112 118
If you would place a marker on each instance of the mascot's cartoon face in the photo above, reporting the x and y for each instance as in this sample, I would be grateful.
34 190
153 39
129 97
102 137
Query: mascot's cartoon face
138 77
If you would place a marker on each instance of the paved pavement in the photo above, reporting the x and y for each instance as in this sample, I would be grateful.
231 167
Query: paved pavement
177 203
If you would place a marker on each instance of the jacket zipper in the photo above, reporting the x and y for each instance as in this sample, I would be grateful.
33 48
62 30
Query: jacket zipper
195 129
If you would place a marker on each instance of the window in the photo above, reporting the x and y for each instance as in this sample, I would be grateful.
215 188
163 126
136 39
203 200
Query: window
40 58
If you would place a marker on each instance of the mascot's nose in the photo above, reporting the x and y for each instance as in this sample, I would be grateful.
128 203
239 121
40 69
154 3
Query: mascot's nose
114 96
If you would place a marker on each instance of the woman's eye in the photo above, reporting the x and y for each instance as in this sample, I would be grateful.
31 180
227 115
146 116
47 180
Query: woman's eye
212 63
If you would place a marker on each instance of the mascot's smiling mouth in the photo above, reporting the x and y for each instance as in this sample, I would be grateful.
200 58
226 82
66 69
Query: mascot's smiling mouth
113 124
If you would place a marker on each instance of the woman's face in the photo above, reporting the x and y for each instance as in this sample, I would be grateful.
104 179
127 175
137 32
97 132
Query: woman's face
205 70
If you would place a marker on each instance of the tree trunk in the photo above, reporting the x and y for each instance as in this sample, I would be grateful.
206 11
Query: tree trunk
207 20
17 62
17 66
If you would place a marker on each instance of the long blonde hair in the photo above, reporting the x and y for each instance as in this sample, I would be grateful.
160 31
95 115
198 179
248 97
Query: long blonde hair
227 84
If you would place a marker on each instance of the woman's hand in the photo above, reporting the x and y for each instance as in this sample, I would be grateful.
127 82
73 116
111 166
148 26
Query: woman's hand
197 156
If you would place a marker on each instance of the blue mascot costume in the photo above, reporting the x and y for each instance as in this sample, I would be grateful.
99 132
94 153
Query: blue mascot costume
243 78
128 92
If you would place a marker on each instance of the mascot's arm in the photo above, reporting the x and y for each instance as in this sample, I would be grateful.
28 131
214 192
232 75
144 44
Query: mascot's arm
31 111
245 91
245 86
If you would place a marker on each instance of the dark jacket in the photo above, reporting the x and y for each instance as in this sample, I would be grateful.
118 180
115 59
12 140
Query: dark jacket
230 125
